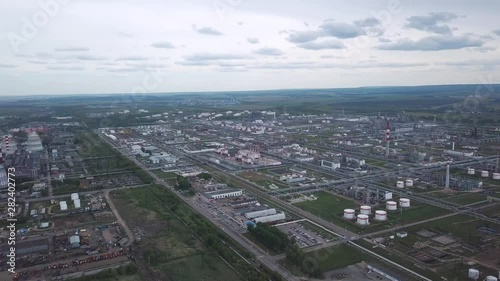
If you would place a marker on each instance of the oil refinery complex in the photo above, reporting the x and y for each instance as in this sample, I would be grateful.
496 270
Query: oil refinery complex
416 200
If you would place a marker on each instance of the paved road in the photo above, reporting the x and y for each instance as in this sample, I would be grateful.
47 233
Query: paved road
122 222
61 196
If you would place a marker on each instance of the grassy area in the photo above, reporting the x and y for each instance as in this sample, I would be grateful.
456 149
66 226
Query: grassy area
127 272
199 267
90 145
327 205
176 236
164 175
467 198
331 207
261 180
460 226
327 259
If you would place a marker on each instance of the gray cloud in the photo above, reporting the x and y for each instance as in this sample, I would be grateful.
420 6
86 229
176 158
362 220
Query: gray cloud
125 34
210 62
72 49
207 30
6 65
384 40
304 36
38 62
214 56
322 45
164 45
496 32
88 57
253 40
434 43
57 67
478 62
484 49
132 58
434 22
268 52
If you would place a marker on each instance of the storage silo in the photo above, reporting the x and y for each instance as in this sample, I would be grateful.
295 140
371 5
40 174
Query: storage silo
380 215
485 174
409 182
349 214
365 210
362 220
473 274
496 176
391 206
404 202
400 184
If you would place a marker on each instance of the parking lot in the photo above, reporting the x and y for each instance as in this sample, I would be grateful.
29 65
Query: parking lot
303 236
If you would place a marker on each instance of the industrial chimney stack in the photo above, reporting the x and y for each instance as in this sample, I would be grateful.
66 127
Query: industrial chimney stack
387 139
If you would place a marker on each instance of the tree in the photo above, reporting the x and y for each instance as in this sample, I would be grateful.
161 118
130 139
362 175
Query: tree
205 176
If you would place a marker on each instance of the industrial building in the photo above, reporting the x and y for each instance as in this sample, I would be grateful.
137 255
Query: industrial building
260 213
219 194
26 247
271 218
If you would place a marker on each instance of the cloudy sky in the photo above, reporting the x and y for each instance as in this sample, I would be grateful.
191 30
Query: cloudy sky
122 46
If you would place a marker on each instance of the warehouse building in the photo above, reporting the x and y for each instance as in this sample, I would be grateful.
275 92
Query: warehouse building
219 194
26 247
270 218
260 213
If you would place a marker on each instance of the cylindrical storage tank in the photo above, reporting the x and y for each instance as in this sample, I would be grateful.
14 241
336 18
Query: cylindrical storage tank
491 278
362 220
400 184
404 202
473 274
349 214
380 215
484 174
366 210
409 183
496 176
391 206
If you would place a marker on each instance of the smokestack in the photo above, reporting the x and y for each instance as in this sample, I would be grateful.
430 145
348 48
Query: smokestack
387 138
496 167
453 146
447 183
7 143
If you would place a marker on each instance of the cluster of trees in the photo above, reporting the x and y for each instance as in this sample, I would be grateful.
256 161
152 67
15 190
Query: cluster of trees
183 183
205 176
215 238
297 257
270 236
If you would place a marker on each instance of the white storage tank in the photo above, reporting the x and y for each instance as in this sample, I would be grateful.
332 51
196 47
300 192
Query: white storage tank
349 214
473 274
74 196
485 174
366 210
471 171
409 183
491 278
404 202
391 206
362 220
380 215
496 176
400 184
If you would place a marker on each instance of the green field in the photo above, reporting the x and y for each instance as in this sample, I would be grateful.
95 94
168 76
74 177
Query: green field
199 267
466 198
331 208
327 206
